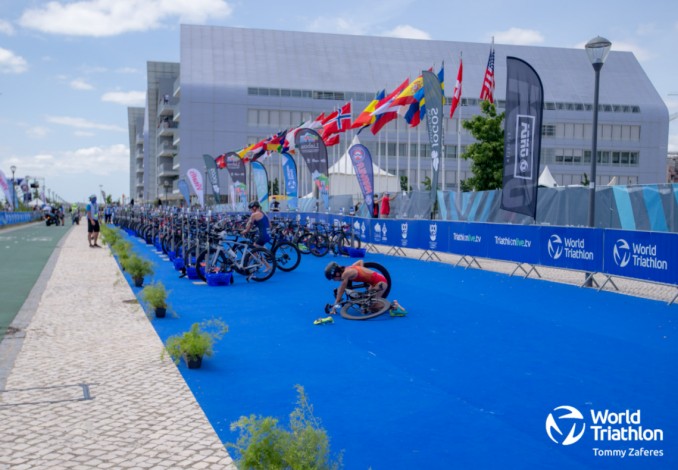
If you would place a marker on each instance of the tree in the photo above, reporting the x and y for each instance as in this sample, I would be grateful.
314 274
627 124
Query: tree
274 187
403 184
487 154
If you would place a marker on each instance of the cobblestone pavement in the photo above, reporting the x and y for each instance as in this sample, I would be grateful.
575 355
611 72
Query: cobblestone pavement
88 388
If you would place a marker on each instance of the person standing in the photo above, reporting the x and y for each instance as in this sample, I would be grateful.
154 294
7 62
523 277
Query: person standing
386 205
93 222
375 207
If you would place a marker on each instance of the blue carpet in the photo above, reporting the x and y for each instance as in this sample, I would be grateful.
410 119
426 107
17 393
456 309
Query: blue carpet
466 380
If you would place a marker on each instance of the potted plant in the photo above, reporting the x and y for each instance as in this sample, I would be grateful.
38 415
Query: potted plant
122 250
195 343
138 268
155 295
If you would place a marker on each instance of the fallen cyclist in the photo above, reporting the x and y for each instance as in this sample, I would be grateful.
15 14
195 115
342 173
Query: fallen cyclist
357 272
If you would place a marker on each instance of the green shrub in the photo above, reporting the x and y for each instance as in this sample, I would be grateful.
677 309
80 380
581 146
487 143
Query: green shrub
137 267
263 445
196 342
155 295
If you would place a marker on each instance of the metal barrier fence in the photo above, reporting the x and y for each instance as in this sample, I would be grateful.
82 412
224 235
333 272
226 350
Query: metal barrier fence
11 218
643 255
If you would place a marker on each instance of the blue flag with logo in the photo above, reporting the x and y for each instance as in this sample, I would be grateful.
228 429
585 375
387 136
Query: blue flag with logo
364 170
290 172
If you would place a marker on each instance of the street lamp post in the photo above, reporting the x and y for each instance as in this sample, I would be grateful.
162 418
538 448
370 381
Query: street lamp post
13 168
166 185
597 49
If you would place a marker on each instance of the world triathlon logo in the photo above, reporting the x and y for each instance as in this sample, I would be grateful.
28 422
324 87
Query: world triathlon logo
565 425
621 253
555 246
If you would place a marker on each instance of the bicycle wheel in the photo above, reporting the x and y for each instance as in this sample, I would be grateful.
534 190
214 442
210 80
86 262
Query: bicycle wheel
287 256
218 262
374 267
303 243
320 245
364 309
259 264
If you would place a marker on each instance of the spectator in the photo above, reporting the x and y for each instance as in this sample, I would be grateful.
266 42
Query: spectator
386 205
375 207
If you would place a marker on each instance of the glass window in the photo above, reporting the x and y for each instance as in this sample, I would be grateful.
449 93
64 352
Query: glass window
548 130
635 133
285 92
625 159
274 91
274 118
306 94
579 131
625 132
550 105
296 93
604 157
252 117
633 158
252 91
263 117
616 157
263 91
616 132
295 118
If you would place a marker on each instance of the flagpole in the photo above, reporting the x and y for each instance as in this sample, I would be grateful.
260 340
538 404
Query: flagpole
398 153
418 158
409 158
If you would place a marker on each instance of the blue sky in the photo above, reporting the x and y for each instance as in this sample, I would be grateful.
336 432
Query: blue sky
70 69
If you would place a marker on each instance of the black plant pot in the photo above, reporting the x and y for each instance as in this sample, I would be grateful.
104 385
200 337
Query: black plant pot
193 362
160 312
138 281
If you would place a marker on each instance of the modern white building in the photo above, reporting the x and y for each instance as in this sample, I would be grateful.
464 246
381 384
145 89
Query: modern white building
235 86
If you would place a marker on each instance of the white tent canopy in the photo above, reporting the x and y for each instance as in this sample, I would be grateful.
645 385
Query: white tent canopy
546 179
343 179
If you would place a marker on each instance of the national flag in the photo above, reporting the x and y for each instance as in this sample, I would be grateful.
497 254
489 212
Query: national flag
331 140
365 118
316 123
221 161
456 94
385 116
339 122
487 91
416 111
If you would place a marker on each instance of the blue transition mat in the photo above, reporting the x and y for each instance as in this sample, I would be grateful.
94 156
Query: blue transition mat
476 376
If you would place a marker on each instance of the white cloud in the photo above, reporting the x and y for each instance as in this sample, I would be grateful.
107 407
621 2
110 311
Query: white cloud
519 36
100 161
6 28
80 84
407 32
11 63
339 25
101 18
37 132
127 70
127 98
83 134
80 123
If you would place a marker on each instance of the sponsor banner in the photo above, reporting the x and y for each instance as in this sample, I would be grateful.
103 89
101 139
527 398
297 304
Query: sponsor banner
183 189
7 191
212 176
386 232
261 183
642 255
522 137
519 243
364 170
572 248
468 239
312 148
291 185
195 178
434 123
428 235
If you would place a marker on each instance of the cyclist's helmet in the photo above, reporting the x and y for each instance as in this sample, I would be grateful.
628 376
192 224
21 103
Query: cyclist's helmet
254 204
331 269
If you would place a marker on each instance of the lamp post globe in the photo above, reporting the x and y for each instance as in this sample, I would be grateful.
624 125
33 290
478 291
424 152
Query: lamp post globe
597 49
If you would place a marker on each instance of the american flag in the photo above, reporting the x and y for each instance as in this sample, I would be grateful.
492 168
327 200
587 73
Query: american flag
487 92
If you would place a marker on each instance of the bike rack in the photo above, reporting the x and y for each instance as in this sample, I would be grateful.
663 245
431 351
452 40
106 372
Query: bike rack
396 251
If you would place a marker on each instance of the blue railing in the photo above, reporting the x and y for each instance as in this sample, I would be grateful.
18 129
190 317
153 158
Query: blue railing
650 256
12 218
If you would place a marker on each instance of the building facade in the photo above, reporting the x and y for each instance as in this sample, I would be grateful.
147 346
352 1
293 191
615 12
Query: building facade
235 86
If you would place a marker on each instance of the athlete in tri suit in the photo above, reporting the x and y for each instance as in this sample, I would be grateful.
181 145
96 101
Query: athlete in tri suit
357 272
259 220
